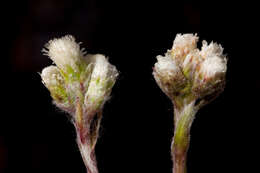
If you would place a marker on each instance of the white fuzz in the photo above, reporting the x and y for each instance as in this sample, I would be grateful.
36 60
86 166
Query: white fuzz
165 66
212 66
51 76
102 68
64 52
183 44
102 79
87 78
168 75
213 49
214 60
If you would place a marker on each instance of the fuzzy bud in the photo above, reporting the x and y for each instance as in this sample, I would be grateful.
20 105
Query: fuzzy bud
168 75
67 55
183 45
54 81
210 77
102 79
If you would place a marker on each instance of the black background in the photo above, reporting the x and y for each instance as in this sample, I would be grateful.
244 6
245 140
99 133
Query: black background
137 122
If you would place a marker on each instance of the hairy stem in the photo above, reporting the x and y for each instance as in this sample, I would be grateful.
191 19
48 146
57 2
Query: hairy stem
88 156
183 118
87 134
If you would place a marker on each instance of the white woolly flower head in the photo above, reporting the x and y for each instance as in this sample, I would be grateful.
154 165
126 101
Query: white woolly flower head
210 77
186 70
54 81
51 76
214 62
66 53
183 44
212 66
168 75
102 79
166 65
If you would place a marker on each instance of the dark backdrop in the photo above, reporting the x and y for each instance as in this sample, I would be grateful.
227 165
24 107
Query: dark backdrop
137 122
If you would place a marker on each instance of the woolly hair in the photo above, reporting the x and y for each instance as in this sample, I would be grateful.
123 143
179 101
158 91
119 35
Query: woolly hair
183 44
64 51
51 76
102 79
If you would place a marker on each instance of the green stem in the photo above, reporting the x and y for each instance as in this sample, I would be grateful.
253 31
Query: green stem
183 118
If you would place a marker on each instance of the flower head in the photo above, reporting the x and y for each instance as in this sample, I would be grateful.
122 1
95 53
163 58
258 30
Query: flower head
67 55
191 78
168 75
87 79
183 45
186 70
54 81
103 78
210 77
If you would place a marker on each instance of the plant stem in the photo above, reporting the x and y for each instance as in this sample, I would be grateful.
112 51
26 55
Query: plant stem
183 118
86 138
88 156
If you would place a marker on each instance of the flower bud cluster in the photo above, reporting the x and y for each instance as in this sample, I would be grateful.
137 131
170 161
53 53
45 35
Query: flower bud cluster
77 78
186 70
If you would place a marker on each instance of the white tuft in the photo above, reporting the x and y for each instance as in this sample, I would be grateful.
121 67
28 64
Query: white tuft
51 76
212 66
165 66
102 76
102 68
168 75
185 68
214 60
213 49
185 43
64 51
